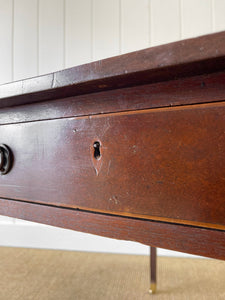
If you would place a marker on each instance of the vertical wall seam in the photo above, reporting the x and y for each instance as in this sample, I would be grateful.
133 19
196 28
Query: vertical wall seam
149 23
64 34
12 42
213 15
92 31
13 220
180 22
120 27
181 18
38 37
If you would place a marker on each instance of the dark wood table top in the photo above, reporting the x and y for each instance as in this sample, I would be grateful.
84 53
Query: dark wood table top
196 56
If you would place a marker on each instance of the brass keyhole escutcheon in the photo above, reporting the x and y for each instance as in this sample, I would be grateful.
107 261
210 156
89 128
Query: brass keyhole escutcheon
6 159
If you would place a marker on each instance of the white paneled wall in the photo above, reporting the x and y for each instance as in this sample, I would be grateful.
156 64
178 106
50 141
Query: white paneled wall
6 40
134 25
165 21
78 32
196 18
105 38
41 36
25 42
218 15
51 35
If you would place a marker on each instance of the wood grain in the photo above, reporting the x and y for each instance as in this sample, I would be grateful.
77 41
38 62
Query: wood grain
194 240
154 163
175 60
192 90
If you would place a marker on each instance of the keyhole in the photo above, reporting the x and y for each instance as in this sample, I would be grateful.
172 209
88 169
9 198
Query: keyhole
97 153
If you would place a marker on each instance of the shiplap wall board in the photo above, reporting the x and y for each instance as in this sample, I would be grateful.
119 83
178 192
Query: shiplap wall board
78 32
25 41
218 15
51 35
42 36
196 18
6 40
134 25
105 28
165 21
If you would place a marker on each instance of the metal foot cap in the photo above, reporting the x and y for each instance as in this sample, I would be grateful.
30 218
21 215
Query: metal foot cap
152 289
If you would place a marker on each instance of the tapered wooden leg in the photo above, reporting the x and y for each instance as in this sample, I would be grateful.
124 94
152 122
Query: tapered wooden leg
153 258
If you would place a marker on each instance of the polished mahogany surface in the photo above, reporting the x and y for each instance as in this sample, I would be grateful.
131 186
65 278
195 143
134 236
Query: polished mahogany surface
136 140
185 58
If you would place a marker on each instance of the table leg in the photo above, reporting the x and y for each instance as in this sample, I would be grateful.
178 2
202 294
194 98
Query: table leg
153 258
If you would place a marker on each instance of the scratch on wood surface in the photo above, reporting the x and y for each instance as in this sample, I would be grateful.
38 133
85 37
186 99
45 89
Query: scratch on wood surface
106 126
97 164
109 167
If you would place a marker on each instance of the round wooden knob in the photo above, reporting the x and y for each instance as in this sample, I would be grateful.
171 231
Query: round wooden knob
5 159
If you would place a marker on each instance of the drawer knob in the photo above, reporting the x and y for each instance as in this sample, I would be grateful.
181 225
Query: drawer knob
5 159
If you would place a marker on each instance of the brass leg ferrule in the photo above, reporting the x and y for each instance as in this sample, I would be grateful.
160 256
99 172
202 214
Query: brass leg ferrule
152 289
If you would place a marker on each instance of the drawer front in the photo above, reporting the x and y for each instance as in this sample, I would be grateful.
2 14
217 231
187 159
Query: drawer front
159 163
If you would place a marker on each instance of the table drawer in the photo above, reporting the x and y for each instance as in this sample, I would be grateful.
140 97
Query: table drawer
161 163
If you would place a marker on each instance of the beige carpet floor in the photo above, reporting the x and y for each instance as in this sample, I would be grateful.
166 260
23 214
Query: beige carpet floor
61 275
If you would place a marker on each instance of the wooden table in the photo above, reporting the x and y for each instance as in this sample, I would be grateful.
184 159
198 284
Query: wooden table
131 147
